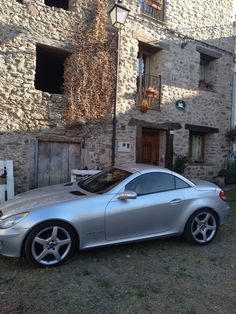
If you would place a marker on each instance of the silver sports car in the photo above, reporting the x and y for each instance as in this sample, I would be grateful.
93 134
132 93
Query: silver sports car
119 204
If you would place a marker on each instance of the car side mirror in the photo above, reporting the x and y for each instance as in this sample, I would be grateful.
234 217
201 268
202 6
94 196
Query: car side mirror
127 195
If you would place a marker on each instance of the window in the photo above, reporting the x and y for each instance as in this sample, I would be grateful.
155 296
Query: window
153 8
206 78
152 183
207 68
49 69
63 4
148 83
197 143
180 184
104 181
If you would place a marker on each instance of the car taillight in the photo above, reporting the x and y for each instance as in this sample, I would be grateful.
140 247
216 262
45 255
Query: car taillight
223 196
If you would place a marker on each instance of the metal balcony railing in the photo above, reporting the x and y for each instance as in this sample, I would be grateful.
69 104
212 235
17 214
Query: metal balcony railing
148 9
149 91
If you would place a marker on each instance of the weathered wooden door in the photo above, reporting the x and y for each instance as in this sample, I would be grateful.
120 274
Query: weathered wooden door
150 147
55 162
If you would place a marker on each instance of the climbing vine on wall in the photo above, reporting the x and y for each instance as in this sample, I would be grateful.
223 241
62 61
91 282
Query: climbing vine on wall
90 71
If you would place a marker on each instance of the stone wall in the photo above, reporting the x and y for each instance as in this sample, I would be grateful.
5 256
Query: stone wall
28 114
186 27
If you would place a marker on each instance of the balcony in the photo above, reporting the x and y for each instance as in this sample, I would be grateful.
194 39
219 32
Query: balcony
149 92
153 8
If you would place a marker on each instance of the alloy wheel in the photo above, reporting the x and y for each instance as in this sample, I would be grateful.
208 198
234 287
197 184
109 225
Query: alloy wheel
204 227
51 245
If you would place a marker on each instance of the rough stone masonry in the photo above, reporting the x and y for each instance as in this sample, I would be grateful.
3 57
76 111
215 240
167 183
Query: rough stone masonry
174 43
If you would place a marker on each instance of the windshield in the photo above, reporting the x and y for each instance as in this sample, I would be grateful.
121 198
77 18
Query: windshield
104 181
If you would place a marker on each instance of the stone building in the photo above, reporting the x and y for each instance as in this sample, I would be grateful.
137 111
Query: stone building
174 88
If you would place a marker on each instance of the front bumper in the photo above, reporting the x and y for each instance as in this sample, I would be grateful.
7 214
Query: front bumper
11 241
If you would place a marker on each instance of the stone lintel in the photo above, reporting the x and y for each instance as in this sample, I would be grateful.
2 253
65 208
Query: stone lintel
150 41
209 52
201 129
158 126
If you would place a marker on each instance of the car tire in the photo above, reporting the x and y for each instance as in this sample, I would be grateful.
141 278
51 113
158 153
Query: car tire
50 243
201 227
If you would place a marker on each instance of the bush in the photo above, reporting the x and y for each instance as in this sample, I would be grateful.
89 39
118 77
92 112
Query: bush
180 164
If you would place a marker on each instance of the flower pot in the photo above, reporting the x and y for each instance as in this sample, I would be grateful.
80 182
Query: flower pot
144 106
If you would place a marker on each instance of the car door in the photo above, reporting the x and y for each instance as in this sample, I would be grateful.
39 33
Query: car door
155 210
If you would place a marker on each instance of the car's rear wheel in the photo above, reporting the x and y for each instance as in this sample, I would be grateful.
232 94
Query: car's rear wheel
202 226
50 243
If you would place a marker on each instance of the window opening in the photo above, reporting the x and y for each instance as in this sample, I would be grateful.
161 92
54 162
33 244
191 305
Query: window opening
63 4
50 69
207 72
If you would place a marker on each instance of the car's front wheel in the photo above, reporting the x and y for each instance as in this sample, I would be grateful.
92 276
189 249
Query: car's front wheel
50 243
202 226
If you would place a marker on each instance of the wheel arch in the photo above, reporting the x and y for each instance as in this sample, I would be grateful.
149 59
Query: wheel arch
22 253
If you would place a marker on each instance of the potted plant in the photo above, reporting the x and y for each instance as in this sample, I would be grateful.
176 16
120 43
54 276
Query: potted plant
231 134
229 174
144 106
202 84
209 86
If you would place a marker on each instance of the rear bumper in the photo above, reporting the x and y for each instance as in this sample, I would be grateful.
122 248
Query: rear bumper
11 241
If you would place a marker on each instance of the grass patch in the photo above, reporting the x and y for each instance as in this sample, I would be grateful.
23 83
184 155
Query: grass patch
231 195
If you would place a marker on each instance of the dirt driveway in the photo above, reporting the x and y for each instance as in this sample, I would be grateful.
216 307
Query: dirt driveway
161 276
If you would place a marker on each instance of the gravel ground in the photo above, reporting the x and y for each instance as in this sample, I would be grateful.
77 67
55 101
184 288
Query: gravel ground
161 276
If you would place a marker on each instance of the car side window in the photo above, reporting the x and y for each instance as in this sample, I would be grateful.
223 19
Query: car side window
180 184
151 183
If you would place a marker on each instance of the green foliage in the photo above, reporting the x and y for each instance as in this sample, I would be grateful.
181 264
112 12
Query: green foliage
231 134
229 171
231 195
181 162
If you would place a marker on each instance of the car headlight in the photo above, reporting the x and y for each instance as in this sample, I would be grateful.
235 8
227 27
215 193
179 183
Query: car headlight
12 220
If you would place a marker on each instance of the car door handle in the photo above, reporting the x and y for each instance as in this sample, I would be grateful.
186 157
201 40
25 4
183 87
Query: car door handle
176 201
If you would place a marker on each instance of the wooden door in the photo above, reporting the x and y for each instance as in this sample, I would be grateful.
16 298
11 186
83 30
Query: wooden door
55 162
150 147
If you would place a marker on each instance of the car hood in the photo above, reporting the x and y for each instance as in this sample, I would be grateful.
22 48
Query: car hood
42 197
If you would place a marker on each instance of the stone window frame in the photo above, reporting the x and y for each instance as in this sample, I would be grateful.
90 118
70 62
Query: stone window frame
200 131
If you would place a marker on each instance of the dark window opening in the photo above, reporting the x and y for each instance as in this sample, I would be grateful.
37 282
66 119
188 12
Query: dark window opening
63 4
49 76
